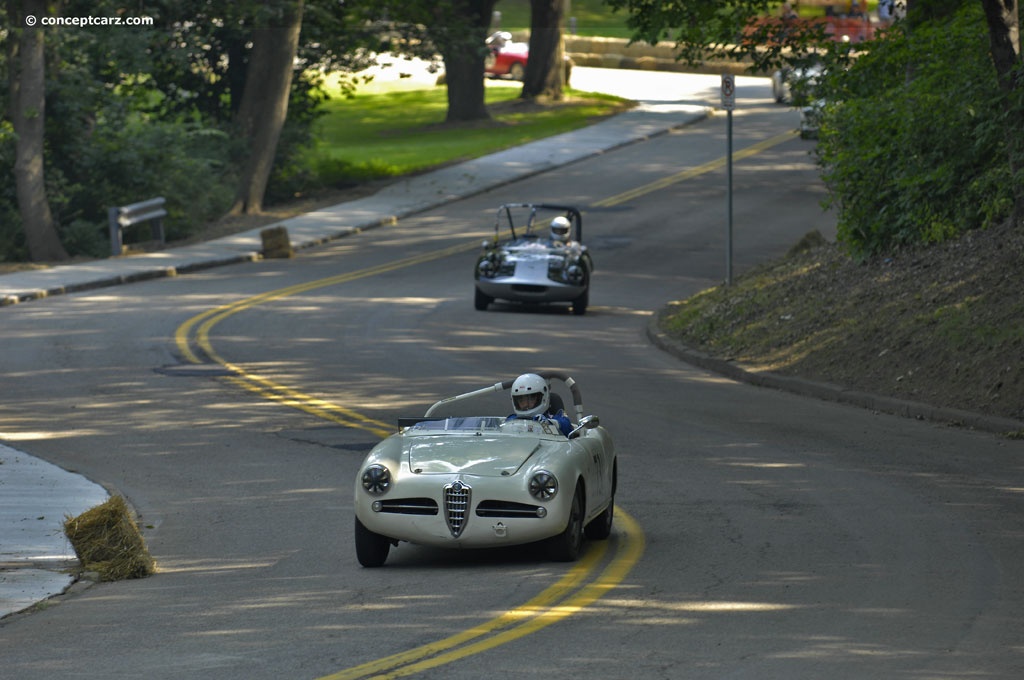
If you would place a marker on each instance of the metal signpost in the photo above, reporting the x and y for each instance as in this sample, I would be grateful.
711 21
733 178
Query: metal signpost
729 103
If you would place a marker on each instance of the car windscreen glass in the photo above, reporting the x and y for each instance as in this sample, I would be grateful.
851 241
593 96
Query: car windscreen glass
457 424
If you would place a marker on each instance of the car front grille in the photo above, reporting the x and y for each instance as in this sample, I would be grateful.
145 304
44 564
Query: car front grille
456 506
410 506
507 509
529 288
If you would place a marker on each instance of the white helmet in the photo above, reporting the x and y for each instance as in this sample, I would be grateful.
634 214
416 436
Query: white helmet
530 395
560 227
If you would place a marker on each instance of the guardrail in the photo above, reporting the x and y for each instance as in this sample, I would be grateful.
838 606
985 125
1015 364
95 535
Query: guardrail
124 216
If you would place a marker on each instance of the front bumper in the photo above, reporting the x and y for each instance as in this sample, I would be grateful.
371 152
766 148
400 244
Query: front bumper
529 290
439 520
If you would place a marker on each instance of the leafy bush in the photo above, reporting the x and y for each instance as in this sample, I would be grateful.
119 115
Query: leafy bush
912 138
12 238
141 159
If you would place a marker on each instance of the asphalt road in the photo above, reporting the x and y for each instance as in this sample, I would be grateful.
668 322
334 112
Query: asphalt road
761 535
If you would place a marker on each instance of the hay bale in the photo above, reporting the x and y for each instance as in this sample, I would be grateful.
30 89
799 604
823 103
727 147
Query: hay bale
276 243
611 60
108 541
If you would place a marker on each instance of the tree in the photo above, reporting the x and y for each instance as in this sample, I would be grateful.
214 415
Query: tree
709 28
463 50
545 72
703 27
264 106
27 92
1003 18
456 29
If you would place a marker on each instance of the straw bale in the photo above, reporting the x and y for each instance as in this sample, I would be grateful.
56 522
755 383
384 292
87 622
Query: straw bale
107 541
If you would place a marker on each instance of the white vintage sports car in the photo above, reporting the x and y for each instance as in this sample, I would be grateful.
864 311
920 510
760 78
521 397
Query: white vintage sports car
458 481
540 258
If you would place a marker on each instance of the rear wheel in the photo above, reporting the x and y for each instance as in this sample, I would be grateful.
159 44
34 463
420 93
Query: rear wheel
516 71
566 546
371 549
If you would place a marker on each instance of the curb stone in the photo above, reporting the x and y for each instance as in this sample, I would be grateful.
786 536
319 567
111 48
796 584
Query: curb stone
828 391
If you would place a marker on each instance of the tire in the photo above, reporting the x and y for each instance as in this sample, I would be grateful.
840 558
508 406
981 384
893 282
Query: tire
371 549
566 546
600 528
516 71
481 300
579 305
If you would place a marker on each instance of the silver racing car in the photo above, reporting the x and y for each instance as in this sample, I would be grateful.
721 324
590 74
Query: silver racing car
537 256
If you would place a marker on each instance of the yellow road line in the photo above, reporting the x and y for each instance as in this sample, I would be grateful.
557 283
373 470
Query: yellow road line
541 602
551 606
203 323
690 173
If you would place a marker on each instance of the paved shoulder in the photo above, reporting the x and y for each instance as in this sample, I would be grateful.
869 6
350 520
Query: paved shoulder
35 556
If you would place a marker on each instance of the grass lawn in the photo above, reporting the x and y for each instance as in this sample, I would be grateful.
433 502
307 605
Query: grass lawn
388 131
592 17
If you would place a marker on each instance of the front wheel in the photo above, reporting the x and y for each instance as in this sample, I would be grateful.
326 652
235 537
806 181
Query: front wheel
481 300
579 305
600 527
566 546
371 549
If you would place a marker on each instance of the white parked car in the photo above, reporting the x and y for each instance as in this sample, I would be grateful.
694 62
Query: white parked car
482 481
791 86
810 119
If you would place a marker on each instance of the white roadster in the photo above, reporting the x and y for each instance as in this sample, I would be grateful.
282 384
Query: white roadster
478 481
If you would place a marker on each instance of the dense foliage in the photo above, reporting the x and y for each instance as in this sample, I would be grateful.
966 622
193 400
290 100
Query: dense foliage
135 112
913 135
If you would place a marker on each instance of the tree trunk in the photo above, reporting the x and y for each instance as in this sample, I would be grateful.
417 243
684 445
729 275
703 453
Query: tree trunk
264 106
1004 44
545 69
464 63
464 75
26 63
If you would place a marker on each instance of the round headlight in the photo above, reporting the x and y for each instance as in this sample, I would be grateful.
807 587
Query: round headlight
486 268
575 275
543 486
376 479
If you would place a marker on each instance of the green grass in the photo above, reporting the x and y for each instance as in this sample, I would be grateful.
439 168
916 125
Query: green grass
593 17
382 134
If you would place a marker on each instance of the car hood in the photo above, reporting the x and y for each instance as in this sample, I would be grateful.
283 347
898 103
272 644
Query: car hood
472 455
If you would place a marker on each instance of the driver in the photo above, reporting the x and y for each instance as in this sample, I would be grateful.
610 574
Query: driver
531 400
560 227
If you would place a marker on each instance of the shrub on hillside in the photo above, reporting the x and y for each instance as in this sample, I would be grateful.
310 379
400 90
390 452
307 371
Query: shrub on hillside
912 138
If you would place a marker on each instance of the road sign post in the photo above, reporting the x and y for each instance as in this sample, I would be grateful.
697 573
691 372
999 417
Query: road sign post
728 103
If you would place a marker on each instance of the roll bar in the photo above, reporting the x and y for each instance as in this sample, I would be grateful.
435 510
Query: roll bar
577 397
571 212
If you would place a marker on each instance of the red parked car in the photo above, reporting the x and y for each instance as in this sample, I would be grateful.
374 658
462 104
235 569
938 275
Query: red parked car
506 59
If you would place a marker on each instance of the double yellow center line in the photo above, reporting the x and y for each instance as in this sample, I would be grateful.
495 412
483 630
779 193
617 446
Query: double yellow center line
571 594
193 341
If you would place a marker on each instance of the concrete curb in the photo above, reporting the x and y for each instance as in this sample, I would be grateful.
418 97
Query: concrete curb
827 391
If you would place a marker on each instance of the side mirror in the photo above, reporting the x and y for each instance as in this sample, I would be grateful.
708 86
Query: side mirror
586 423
